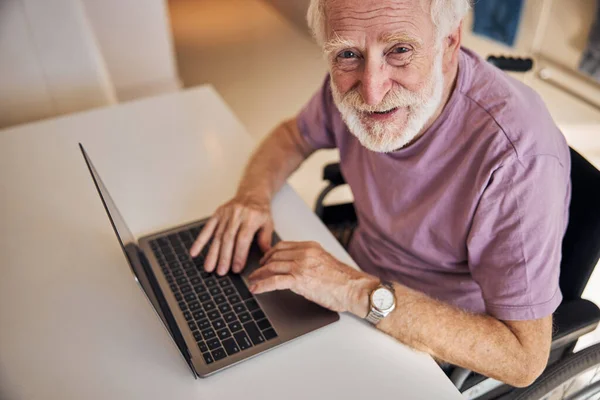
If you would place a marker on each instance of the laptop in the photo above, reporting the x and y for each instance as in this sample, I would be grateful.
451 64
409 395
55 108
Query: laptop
214 321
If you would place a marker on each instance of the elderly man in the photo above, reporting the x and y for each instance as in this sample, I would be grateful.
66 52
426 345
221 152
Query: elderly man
461 186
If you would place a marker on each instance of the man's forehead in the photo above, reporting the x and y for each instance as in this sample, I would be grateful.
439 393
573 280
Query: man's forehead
388 19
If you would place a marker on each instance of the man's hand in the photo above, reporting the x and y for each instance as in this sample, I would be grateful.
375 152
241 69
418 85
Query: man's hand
308 270
232 228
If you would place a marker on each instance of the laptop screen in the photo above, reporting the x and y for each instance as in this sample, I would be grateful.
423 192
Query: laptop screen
136 259
126 238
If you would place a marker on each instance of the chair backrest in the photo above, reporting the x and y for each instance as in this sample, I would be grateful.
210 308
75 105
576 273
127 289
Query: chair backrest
581 244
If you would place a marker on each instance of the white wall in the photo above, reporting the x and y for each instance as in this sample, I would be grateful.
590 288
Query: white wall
49 61
135 39
62 56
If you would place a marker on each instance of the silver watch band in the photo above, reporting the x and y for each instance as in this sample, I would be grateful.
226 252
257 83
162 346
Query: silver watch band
374 317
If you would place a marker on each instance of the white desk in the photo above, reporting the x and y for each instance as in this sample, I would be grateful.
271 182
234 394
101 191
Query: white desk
74 324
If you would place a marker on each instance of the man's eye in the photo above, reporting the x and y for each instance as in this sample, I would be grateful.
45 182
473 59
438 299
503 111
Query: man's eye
401 50
347 54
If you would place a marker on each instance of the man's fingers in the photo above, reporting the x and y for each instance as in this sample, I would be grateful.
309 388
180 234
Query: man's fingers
285 246
265 236
275 282
204 236
213 253
278 247
292 254
242 247
274 268
227 244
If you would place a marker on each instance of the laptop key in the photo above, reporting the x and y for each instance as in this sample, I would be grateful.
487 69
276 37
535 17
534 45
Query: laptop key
270 334
231 346
200 289
241 287
219 354
209 306
264 324
208 334
177 272
204 274
203 324
258 315
204 297
183 306
223 334
208 358
252 305
229 291
255 335
182 280
192 325
235 299
198 337
213 315
220 299
210 282
224 282
174 287
178 296
190 297
229 317
188 316
203 347
244 317
198 315
169 278
225 308
218 324
196 280
235 326
242 340
213 343
185 288
215 291
239 308
194 305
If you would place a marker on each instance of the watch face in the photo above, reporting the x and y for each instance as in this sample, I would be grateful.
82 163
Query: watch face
383 299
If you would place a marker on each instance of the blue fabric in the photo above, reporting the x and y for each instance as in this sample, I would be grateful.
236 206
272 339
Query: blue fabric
590 62
498 19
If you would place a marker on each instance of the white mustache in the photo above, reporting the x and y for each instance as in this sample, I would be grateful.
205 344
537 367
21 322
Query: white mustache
393 99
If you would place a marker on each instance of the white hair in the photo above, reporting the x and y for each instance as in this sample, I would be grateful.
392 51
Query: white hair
445 14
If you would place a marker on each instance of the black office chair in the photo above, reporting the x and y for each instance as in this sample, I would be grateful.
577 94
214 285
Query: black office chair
580 254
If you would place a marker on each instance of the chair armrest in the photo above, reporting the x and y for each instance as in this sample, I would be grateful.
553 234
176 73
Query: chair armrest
574 319
333 174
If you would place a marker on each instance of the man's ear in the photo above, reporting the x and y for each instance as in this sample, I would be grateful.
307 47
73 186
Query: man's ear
451 45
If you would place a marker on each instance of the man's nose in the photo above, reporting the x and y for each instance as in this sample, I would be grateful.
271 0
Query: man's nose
375 83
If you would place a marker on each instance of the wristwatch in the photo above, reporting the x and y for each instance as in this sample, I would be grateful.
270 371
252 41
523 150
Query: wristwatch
382 302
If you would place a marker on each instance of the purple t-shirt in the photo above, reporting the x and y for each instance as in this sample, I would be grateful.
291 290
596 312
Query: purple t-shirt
474 212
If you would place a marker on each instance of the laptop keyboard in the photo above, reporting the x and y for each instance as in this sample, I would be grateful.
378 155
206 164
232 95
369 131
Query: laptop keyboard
222 314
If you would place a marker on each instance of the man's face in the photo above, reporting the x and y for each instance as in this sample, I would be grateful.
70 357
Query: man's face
386 68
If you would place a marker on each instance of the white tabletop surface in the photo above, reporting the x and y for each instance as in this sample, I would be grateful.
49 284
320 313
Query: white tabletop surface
73 322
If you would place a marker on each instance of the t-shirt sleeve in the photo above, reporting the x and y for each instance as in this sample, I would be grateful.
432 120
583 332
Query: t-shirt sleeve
315 119
514 244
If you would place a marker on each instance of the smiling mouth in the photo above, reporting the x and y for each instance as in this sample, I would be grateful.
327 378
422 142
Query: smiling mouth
385 112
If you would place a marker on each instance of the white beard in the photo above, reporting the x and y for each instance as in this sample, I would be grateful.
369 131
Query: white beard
388 136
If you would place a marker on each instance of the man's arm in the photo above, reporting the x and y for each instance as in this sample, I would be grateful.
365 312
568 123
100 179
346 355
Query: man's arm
233 225
514 352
